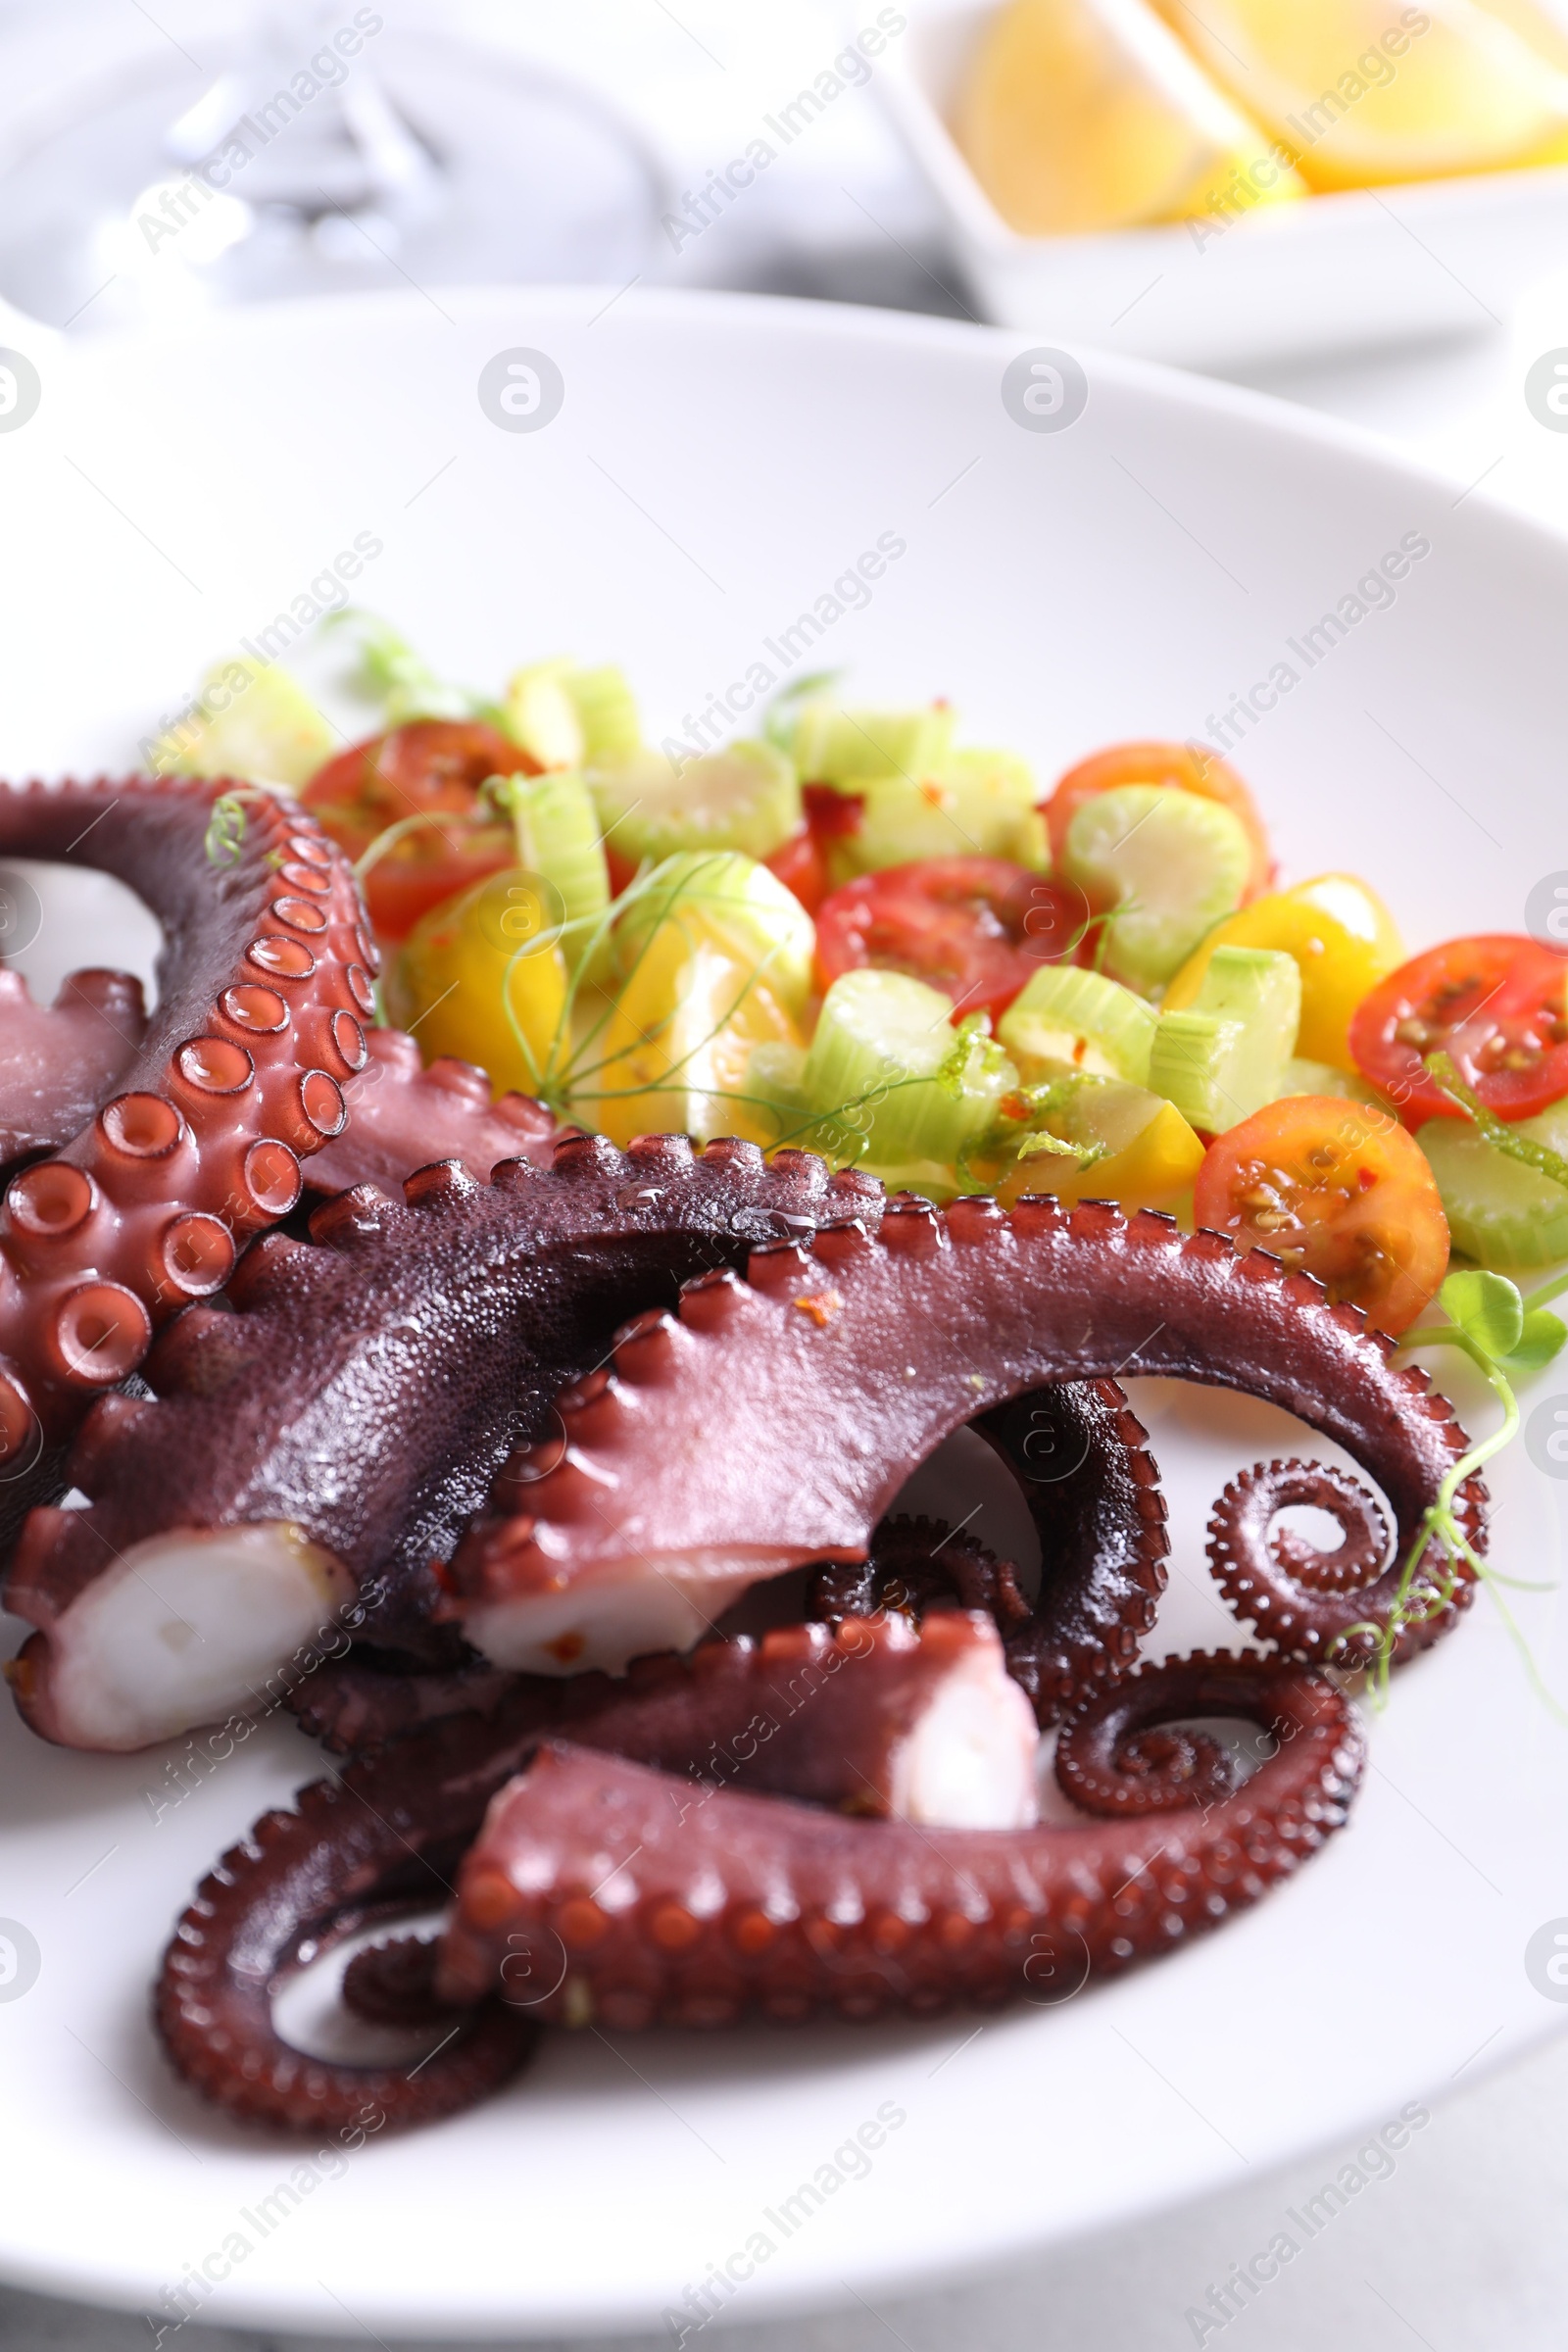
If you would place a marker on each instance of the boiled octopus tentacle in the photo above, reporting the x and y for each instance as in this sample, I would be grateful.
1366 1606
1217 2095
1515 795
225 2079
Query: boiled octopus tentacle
307 1458
59 1061
402 1115
1312 1603
1123 1755
736 1708
1077 1451
751 1903
297 1883
771 1423
876 1717
264 983
1102 1541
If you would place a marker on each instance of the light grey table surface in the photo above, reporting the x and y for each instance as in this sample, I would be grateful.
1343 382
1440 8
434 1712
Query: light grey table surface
1463 2248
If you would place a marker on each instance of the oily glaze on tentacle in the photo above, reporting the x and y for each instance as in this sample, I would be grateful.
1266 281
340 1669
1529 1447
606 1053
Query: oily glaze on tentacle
756 1904
1322 1605
332 1438
772 1423
264 982
1077 1451
59 1061
402 1116
863 1718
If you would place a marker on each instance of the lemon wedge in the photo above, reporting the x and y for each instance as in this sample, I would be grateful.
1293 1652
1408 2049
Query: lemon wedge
1081 114
1369 91
1545 33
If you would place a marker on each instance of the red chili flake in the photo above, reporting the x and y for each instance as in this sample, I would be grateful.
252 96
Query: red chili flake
822 1306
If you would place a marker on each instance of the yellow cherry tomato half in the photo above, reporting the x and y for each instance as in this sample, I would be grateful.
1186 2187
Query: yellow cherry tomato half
1342 938
1335 1190
672 1057
1151 1153
490 951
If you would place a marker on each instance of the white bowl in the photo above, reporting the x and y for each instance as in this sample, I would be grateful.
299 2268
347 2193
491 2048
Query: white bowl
1373 266
716 466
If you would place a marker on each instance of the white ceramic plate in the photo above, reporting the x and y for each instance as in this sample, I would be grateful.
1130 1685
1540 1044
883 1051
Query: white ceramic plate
715 469
1372 265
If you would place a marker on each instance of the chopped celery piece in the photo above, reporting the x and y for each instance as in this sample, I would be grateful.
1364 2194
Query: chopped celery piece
570 718
558 837
1303 1077
746 910
887 1064
1067 1018
775 1076
1500 1212
743 798
398 677
1194 1054
1126 1142
1228 1056
607 711
256 722
542 717
1168 863
834 746
975 805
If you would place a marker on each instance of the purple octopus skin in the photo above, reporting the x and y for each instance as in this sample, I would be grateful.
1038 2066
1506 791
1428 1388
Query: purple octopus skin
1102 1525
1077 1451
264 982
319 1448
756 1904
402 1116
59 1061
860 1718
771 1423
1314 1604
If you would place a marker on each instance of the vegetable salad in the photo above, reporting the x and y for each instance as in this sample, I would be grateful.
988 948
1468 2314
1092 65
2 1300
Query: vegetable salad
858 934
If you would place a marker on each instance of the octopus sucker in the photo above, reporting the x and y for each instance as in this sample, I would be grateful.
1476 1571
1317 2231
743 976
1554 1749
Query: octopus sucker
263 980
763 1425
59 1061
349 1416
877 1718
738 1906
404 1113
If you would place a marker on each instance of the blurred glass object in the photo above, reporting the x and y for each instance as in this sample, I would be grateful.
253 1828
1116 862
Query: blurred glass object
341 148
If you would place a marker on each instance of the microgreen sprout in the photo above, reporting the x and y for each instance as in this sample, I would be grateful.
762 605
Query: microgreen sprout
225 829
392 674
1502 1332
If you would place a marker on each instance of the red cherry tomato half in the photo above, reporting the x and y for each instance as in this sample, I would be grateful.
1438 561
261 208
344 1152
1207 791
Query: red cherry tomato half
1336 1190
433 768
798 864
974 927
1182 766
1498 1005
